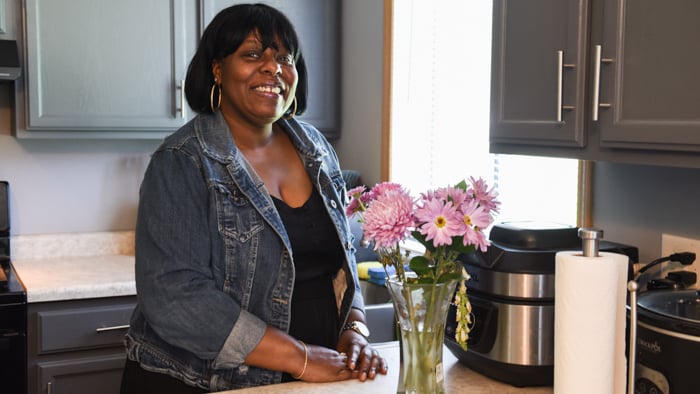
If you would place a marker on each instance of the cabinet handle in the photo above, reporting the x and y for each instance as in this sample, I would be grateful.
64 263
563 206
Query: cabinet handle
49 388
182 98
560 85
598 60
112 328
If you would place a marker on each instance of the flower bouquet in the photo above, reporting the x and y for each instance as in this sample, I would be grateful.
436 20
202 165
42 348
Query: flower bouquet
447 222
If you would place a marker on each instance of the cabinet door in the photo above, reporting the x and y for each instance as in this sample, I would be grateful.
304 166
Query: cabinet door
653 81
101 65
537 97
318 25
82 376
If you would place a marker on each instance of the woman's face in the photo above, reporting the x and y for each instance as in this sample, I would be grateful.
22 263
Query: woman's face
257 84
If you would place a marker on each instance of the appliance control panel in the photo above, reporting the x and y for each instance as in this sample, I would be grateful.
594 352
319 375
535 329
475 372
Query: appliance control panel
649 381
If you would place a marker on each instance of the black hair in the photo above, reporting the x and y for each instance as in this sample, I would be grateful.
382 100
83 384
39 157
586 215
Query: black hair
222 37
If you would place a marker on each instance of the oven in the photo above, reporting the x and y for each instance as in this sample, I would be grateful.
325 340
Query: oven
13 311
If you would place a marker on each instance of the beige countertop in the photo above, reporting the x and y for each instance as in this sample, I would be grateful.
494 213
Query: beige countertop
458 379
58 267
70 278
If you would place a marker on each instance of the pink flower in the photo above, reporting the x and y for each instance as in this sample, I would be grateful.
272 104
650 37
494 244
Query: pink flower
485 197
389 217
474 219
358 198
440 221
384 187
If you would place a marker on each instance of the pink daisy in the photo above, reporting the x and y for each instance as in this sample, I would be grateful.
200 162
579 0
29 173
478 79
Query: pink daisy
440 221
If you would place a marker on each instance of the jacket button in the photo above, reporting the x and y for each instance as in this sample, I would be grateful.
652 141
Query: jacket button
333 204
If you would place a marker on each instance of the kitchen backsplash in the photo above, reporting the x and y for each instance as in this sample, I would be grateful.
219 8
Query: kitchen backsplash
44 246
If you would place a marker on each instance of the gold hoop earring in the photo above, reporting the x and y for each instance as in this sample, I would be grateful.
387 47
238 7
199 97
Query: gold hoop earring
211 98
294 110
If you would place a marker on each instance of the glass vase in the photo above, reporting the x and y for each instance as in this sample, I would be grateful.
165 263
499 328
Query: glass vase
421 311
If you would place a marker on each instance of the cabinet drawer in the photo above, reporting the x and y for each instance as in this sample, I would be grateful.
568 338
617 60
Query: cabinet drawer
82 328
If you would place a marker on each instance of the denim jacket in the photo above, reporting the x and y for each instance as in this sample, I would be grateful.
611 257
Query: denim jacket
214 266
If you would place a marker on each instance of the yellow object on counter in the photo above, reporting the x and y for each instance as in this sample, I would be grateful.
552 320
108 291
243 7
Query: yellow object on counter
363 268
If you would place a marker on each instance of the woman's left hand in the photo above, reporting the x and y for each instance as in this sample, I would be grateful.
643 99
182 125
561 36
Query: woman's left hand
362 358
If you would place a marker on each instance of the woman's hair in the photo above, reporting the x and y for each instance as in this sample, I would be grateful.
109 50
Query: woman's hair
226 33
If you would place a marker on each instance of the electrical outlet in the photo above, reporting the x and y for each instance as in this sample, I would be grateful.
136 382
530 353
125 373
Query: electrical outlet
673 244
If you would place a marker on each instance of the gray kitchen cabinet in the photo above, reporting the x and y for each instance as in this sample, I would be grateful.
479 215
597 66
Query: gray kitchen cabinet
597 79
116 69
530 39
76 346
101 68
318 25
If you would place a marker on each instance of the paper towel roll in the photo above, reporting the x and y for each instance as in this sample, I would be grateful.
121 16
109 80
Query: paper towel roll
589 323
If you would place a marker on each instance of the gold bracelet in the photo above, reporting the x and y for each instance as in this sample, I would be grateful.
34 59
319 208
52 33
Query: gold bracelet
306 360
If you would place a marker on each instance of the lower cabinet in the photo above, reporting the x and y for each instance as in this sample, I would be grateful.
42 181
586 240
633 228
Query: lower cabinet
76 346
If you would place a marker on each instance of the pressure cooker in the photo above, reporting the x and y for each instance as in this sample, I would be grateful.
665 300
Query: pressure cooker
668 342
512 297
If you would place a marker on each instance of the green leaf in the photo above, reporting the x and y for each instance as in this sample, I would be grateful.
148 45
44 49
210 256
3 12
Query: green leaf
459 246
462 185
421 265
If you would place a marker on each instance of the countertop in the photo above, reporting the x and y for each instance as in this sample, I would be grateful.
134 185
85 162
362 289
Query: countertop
58 267
458 379
71 278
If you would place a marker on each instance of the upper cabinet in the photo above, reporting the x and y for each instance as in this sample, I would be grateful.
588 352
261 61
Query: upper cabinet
116 69
317 23
105 68
597 79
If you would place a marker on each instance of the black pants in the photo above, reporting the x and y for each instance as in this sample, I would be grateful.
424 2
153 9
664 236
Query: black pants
139 381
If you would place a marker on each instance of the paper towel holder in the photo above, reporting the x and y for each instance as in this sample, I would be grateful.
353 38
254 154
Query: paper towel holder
591 239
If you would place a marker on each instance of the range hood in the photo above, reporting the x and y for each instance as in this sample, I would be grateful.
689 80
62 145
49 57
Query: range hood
9 60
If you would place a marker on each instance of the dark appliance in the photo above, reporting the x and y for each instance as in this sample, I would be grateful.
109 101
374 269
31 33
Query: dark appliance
512 297
13 311
668 342
9 61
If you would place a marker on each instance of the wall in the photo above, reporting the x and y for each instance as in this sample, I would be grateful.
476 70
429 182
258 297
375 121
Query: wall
634 204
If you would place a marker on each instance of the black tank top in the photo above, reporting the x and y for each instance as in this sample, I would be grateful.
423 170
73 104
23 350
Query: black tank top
318 255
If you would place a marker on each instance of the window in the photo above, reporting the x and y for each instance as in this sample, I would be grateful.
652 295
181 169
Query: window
440 69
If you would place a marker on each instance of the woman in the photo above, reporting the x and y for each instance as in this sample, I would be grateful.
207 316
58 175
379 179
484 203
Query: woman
245 270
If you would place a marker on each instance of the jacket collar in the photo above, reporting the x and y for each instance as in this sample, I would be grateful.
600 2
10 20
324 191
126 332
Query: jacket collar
213 135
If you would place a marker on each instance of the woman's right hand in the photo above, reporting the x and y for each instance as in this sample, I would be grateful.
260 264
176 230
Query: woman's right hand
323 365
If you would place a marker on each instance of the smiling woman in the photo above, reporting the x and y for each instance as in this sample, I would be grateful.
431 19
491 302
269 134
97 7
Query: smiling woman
440 81
245 272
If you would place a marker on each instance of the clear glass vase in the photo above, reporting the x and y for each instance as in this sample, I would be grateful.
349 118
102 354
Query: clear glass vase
421 310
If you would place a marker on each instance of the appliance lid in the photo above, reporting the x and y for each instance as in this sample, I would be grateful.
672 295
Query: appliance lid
673 304
9 60
533 235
